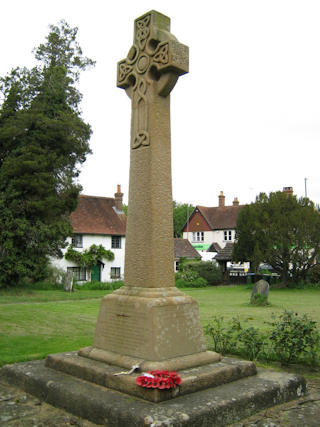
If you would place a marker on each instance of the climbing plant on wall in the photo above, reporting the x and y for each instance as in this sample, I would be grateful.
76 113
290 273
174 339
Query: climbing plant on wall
89 257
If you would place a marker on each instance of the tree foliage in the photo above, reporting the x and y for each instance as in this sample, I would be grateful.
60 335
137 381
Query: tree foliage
89 257
282 231
43 141
181 213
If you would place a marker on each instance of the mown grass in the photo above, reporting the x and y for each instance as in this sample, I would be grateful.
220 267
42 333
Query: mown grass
21 295
232 301
36 323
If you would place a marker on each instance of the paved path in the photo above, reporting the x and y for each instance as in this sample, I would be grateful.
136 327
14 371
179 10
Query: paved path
18 408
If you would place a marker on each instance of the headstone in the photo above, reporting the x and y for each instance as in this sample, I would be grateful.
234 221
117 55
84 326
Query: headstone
261 288
68 281
149 318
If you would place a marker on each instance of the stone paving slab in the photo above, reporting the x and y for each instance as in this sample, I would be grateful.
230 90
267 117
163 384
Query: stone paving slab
212 407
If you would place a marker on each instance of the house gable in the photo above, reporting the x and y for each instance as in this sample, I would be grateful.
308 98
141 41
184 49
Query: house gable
197 222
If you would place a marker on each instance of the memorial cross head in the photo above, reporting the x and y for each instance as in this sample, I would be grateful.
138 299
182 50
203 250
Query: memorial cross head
155 53
152 67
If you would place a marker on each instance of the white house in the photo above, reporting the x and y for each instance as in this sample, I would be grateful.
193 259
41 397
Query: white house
211 228
98 220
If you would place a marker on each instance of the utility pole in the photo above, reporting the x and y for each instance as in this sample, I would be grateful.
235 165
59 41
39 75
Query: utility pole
188 221
305 187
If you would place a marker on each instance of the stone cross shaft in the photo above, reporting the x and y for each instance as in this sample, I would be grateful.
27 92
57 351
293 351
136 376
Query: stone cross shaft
148 74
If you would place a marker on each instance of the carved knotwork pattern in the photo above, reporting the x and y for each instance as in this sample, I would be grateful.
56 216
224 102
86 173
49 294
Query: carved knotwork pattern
161 55
143 31
141 138
124 70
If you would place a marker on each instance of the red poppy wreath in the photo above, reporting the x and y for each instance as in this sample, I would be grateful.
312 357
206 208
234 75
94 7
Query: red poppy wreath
159 379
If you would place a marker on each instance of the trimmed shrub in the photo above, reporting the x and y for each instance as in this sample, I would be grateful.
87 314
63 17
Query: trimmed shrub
205 269
198 282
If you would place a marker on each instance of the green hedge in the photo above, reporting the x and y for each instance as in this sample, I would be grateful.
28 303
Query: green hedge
199 282
204 269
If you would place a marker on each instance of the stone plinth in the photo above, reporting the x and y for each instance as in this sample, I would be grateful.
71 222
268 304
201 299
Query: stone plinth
193 379
213 406
159 328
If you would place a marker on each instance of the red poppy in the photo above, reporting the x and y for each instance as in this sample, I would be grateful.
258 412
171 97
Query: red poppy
159 379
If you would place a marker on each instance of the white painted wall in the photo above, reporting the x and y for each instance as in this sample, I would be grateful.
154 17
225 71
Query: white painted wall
216 236
105 241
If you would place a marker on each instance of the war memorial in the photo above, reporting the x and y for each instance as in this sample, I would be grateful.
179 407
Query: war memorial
148 324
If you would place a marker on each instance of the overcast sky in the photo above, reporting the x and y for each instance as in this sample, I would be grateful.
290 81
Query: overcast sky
245 119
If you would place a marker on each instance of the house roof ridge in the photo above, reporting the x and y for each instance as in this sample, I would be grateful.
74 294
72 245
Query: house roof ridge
96 197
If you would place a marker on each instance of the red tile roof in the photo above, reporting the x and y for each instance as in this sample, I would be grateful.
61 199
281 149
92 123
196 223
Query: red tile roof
226 253
183 248
97 215
221 217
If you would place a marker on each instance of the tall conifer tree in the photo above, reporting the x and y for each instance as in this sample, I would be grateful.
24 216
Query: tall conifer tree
43 141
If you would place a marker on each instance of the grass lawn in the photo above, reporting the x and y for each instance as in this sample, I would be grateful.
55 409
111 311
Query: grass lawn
36 323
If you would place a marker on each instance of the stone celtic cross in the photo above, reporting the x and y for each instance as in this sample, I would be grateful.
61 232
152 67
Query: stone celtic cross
149 320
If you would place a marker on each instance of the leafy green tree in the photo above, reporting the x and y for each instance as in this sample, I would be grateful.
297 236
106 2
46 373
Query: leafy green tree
282 231
181 213
43 141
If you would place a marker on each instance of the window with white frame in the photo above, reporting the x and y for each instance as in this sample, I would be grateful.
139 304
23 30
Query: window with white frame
228 235
77 241
198 236
115 272
116 242
79 273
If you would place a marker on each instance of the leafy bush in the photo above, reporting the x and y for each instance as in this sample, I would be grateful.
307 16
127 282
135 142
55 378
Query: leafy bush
198 282
187 275
253 342
293 336
188 278
205 269
223 336
95 285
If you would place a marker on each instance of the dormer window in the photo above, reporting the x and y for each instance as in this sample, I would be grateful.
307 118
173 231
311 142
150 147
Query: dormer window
77 241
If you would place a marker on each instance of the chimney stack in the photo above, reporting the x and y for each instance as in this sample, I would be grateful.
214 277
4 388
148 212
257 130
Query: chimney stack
288 191
221 199
118 198
235 202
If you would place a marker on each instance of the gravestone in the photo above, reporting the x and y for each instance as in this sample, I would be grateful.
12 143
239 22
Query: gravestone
148 320
68 281
260 288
